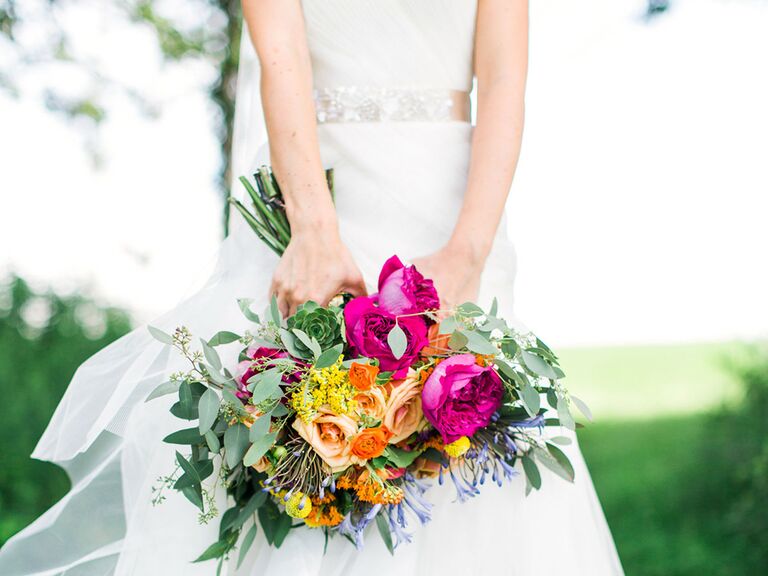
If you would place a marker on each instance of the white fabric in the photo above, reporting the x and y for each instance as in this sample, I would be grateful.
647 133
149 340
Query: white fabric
399 188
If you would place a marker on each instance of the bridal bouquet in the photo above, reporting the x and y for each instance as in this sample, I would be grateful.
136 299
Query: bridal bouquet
342 416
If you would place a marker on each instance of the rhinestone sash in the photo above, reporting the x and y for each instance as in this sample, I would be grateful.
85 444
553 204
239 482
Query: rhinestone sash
372 104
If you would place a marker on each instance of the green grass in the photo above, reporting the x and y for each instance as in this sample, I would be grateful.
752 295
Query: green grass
651 381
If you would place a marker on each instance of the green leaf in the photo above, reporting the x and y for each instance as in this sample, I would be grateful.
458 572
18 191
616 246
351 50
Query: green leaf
386 534
509 348
329 357
552 398
259 448
159 335
564 414
274 311
203 469
196 474
194 494
283 526
399 457
448 325
215 550
245 308
478 344
310 343
562 440
223 337
563 460
494 307
531 399
213 441
250 508
471 310
169 387
246 544
235 444
538 365
532 472
208 409
260 427
289 341
457 341
583 408
397 341
211 355
267 385
186 436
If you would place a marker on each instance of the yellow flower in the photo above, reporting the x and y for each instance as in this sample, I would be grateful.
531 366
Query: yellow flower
298 505
457 448
324 387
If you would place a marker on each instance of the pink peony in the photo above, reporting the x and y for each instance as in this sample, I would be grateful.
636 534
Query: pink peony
459 396
403 290
368 327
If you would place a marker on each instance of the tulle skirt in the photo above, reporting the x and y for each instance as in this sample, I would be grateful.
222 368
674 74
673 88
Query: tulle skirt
399 189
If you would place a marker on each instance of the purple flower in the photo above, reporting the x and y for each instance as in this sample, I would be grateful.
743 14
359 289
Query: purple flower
459 396
403 290
369 325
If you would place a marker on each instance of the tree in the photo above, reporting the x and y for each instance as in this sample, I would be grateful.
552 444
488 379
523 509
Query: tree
38 36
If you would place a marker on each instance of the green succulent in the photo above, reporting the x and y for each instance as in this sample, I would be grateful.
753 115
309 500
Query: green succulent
322 324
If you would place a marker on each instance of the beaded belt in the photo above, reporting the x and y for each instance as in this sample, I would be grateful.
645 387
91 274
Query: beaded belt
371 104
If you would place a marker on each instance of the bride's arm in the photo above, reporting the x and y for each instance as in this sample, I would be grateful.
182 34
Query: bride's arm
316 265
501 64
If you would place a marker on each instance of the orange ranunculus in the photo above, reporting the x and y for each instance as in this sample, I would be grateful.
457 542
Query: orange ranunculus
371 442
372 402
362 376
438 343
404 415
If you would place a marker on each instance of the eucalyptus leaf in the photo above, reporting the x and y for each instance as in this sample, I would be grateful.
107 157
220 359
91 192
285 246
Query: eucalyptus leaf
169 387
259 448
274 311
564 414
448 325
246 544
471 310
208 409
235 444
562 440
538 365
186 436
310 343
563 460
159 335
457 341
510 348
211 355
397 341
223 337
267 386
478 343
399 457
289 341
329 357
531 399
260 427
583 408
213 441
532 472
194 494
494 307
215 550
245 308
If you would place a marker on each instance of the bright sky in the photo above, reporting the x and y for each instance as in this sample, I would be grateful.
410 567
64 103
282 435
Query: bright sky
638 209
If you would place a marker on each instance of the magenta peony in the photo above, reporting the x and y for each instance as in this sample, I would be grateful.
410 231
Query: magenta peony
403 290
459 396
369 325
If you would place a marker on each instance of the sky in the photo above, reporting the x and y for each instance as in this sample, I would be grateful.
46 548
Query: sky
638 210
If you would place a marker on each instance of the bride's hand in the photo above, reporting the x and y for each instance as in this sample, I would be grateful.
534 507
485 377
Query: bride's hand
455 269
317 266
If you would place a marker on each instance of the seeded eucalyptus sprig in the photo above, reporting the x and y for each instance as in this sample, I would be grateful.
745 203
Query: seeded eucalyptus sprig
268 218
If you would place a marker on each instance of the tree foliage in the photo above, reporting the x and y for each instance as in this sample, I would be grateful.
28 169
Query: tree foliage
44 337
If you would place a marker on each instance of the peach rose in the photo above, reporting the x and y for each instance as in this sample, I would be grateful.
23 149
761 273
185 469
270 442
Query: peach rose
372 402
438 343
370 443
403 415
424 468
329 436
363 376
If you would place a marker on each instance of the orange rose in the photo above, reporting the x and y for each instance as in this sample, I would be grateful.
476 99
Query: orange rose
362 376
371 442
329 435
403 414
372 402
438 343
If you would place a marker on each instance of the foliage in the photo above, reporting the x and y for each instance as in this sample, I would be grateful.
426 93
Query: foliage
43 339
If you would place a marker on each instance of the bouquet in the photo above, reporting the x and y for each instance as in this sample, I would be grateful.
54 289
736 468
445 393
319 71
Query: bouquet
343 416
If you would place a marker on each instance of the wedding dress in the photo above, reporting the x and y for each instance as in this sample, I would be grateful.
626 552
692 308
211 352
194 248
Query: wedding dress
385 72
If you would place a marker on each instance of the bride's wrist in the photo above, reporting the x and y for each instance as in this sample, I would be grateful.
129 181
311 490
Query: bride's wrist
469 251
319 222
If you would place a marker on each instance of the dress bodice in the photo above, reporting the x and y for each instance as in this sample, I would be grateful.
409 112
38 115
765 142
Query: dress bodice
391 43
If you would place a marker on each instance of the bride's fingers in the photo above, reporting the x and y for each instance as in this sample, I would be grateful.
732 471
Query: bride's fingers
355 286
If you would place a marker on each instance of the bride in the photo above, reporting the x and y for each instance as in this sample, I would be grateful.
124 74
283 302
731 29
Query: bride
378 90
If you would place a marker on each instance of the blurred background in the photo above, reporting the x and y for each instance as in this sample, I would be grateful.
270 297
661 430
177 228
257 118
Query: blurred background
638 213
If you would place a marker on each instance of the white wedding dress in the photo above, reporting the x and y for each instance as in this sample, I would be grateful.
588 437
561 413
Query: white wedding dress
400 172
